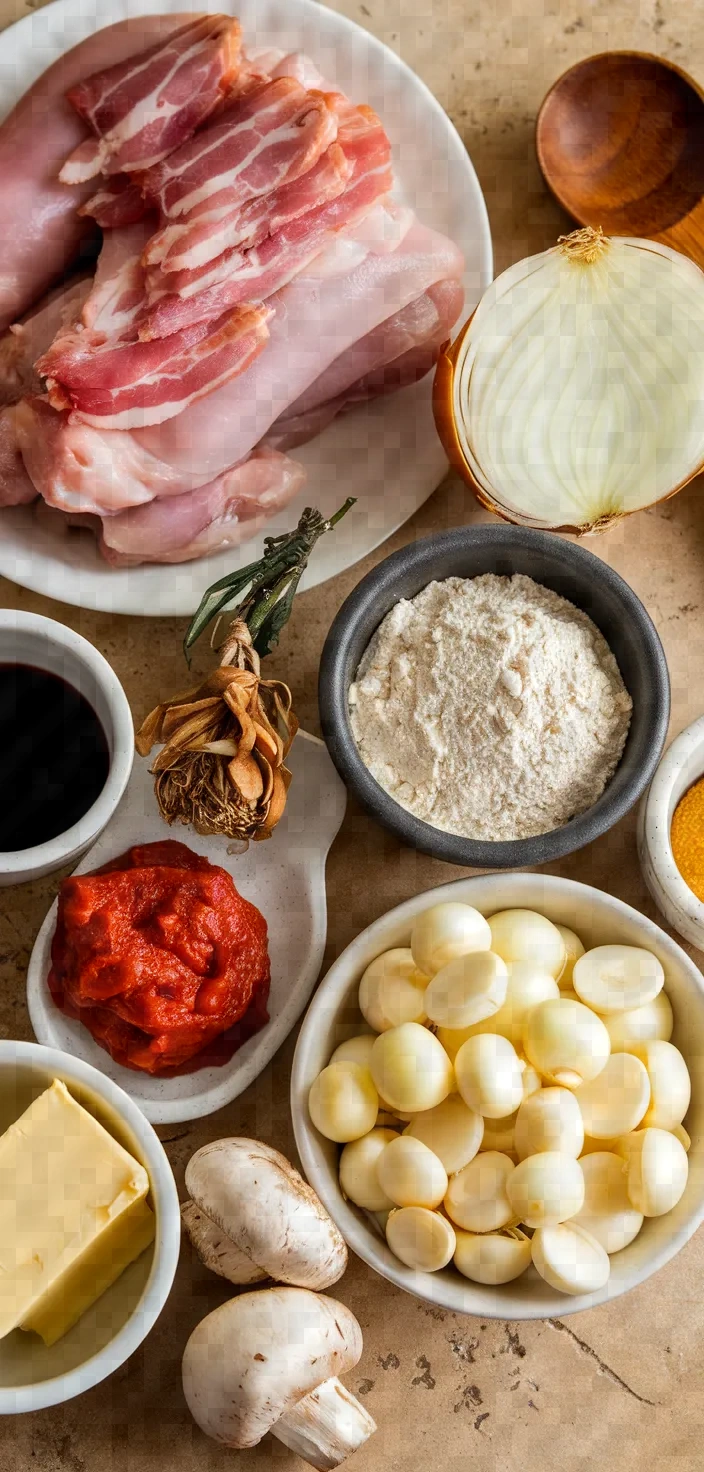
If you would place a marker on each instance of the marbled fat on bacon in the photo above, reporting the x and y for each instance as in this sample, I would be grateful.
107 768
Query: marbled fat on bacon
118 201
142 109
276 133
126 384
253 275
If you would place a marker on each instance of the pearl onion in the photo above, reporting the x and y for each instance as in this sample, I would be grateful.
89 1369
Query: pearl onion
451 1130
476 1197
446 931
566 1042
410 1174
422 1239
523 935
656 1170
392 991
670 1087
355 1050
527 986
467 990
573 950
343 1102
488 1074
680 1134
617 978
616 1100
546 1189
492 1257
500 1134
358 1173
607 1213
628 1030
570 1259
411 1069
549 1120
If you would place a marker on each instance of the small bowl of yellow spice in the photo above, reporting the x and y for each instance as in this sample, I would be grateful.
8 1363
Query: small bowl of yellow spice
671 834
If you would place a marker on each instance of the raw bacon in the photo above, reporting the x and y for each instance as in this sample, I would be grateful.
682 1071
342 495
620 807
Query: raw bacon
116 298
142 109
119 201
125 385
273 135
222 514
255 274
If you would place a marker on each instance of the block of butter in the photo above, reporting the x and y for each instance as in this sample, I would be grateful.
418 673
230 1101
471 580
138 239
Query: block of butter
73 1214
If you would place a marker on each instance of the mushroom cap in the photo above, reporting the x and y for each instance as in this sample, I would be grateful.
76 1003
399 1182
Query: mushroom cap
255 1357
216 1250
254 1195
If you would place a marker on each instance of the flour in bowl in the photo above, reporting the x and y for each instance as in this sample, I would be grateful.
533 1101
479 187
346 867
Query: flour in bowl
490 707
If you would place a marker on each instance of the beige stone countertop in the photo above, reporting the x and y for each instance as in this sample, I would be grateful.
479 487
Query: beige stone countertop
619 1387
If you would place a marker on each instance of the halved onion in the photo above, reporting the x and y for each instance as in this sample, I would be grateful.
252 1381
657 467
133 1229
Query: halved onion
575 393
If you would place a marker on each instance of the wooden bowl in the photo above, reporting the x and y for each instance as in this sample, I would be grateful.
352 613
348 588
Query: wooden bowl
620 141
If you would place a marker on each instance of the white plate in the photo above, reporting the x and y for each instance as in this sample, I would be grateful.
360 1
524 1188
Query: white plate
284 877
388 455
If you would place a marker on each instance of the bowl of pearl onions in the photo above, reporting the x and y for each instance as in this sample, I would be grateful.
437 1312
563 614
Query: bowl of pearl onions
498 1093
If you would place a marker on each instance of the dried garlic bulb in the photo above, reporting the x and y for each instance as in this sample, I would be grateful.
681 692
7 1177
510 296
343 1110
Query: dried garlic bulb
221 768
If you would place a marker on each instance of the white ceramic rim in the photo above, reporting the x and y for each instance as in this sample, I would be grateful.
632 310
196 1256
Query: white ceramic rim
38 1396
337 982
47 856
656 822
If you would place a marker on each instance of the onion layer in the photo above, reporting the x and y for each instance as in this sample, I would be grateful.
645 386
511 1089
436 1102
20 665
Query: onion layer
575 393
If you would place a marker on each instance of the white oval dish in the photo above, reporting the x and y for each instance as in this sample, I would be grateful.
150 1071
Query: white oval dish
32 1374
393 443
28 638
284 877
598 918
682 764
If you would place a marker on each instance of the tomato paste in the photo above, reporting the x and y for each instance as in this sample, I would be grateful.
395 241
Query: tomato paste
158 955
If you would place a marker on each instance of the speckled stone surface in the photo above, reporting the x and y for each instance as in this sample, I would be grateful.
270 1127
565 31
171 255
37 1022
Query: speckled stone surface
620 1387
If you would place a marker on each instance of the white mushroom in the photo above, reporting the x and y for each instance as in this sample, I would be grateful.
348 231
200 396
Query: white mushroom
269 1361
255 1217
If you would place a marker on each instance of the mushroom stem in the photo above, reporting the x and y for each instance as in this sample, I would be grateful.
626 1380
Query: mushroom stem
326 1426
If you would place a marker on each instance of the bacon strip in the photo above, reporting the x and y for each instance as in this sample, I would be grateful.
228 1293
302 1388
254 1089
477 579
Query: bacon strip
119 201
142 109
126 385
239 275
276 133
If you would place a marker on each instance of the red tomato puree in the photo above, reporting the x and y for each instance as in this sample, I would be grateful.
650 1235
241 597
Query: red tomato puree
158 955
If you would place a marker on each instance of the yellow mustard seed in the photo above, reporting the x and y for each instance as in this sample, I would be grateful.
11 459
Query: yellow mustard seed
687 838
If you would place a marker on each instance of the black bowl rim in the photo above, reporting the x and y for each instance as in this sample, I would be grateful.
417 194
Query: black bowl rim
452 848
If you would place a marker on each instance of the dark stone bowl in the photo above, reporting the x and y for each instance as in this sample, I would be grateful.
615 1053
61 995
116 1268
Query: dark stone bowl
558 564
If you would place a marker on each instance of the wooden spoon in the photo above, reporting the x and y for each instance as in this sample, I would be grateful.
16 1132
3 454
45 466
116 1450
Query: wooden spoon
620 141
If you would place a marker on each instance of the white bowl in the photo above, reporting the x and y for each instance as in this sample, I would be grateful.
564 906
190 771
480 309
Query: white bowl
33 1375
682 764
598 919
27 638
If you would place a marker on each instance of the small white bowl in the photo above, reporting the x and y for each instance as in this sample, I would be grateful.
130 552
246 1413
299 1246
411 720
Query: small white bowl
598 919
33 1375
682 764
28 638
